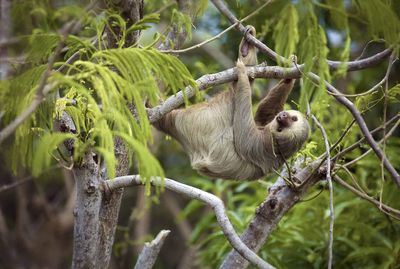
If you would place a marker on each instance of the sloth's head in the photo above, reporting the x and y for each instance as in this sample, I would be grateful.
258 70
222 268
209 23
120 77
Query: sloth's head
290 130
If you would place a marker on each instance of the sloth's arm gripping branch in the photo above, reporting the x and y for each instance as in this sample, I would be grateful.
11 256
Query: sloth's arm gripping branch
247 138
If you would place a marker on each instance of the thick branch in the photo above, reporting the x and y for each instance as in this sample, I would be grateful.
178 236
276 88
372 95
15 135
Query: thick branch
86 213
214 202
149 254
279 201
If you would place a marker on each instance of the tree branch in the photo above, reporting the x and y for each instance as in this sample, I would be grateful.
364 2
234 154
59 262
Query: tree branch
258 71
333 65
149 254
279 201
395 213
213 201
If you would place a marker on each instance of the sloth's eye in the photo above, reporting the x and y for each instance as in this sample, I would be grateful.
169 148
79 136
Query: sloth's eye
294 118
279 129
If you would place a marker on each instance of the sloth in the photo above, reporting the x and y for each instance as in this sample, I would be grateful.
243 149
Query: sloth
224 140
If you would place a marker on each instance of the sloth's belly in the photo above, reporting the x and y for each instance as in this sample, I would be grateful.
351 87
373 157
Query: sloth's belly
220 160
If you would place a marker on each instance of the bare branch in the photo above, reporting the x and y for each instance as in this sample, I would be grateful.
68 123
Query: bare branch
358 143
329 179
213 201
149 254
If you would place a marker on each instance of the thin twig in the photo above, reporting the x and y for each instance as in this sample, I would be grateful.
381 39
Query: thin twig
379 142
330 186
394 213
385 81
392 59
213 201
7 187
149 253
358 143
343 135
219 34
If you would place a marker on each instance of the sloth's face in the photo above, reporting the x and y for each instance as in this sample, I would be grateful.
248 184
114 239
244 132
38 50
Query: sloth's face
290 124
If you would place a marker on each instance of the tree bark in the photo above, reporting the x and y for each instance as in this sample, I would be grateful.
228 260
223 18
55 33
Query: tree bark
86 213
132 11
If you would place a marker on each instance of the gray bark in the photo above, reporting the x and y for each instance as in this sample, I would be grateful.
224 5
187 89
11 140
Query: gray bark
86 212
149 254
132 11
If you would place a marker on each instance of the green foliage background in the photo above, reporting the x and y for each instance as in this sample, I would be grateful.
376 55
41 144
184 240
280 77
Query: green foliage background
115 78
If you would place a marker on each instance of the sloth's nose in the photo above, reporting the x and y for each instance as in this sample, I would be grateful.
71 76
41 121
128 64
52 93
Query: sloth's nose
283 115
283 118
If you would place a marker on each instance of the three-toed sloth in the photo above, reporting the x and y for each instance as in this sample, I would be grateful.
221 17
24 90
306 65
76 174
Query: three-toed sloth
222 137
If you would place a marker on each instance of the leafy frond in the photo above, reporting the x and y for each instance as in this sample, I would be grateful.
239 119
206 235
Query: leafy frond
105 97
41 46
314 53
143 23
286 34
18 92
137 65
339 18
199 7
383 22
182 22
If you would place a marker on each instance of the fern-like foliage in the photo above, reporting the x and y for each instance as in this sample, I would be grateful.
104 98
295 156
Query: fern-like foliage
314 53
105 96
339 18
383 22
286 34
